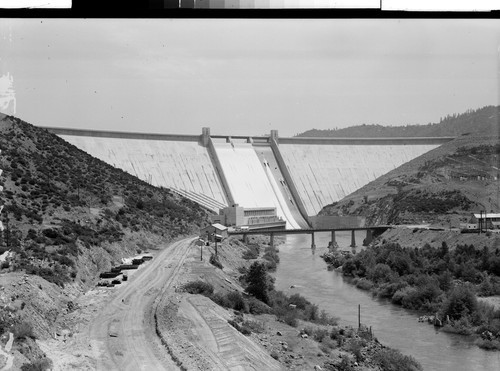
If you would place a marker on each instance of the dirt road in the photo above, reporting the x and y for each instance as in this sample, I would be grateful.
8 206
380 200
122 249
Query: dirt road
123 336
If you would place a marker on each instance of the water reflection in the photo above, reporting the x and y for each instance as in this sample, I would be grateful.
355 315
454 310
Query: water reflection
302 267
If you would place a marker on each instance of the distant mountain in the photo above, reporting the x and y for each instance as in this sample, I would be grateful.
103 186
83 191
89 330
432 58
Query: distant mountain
484 121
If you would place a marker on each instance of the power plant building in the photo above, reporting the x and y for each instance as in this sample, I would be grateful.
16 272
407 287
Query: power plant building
253 218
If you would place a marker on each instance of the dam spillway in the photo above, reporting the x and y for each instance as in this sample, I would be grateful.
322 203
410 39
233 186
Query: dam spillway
297 176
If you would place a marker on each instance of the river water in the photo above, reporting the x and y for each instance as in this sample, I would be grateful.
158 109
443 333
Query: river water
392 325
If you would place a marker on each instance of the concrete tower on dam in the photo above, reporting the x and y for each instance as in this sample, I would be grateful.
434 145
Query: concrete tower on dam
297 176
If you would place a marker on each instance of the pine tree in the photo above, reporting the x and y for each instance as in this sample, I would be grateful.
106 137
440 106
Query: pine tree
257 282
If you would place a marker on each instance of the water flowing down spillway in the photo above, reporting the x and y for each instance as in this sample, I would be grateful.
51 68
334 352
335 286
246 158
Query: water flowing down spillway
248 181
181 165
324 174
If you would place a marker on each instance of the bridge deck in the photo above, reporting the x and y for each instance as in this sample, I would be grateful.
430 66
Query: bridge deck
307 231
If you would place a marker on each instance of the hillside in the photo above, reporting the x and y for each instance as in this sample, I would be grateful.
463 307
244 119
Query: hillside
483 120
67 217
444 187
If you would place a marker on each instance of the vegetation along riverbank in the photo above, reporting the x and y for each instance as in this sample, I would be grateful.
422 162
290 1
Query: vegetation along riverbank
446 281
293 330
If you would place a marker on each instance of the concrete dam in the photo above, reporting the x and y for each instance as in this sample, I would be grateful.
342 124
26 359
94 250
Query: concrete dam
298 176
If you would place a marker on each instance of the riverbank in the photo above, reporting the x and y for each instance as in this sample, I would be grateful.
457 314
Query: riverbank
302 346
437 273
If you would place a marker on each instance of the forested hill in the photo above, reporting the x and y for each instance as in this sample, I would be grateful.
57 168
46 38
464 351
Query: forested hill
62 205
483 120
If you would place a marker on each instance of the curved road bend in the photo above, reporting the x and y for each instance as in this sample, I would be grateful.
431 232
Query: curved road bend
121 335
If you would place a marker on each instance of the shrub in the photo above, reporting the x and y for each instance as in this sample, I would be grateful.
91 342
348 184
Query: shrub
380 273
23 330
243 329
363 283
327 345
214 260
254 326
355 348
199 287
402 294
461 302
319 334
251 253
393 360
488 344
38 365
256 306
236 301
291 319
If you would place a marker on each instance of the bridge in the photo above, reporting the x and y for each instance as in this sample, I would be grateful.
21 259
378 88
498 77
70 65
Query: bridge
370 232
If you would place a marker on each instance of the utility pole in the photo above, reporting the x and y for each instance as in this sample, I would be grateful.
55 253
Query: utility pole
359 316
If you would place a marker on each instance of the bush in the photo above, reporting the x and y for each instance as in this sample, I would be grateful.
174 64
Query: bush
254 326
327 345
214 260
198 287
488 344
236 301
380 273
256 306
38 365
461 302
23 330
355 348
290 318
363 283
251 253
393 360
319 334
243 329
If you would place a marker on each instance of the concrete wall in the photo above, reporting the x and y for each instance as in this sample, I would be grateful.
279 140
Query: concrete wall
323 174
248 182
181 165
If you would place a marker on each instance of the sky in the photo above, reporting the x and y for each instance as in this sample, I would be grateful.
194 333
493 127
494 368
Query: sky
245 76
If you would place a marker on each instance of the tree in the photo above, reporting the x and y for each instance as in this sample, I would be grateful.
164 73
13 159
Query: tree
257 280
461 302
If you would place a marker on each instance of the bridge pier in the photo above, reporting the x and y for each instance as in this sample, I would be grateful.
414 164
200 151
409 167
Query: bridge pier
332 241
245 238
313 245
271 243
369 237
353 239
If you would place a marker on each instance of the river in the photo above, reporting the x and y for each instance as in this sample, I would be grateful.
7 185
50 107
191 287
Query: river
392 325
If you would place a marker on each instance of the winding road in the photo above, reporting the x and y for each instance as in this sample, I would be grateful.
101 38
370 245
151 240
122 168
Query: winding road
123 335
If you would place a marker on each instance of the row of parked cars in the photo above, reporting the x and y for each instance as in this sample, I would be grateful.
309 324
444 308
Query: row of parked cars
115 272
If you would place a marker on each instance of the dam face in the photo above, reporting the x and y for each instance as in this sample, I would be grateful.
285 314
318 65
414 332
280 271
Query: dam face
297 176
327 173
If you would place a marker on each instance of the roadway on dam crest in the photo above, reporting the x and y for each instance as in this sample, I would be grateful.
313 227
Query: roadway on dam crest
123 335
